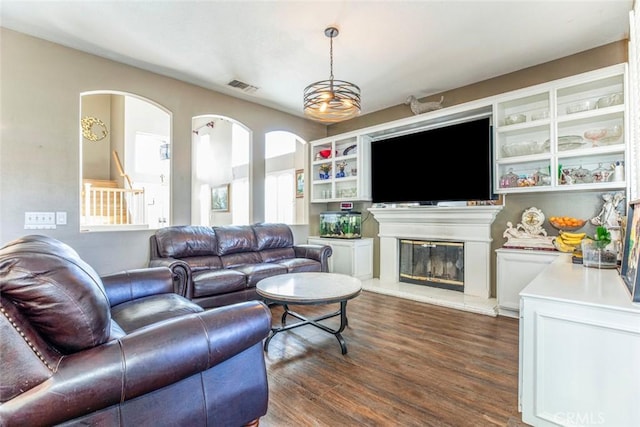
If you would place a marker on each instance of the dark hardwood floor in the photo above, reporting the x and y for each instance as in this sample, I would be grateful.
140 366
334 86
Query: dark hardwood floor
408 364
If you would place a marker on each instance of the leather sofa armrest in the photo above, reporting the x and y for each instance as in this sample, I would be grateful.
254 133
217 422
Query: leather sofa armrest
132 284
319 253
140 363
181 273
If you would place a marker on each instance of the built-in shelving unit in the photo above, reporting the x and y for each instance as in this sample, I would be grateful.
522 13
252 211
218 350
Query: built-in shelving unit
564 135
340 169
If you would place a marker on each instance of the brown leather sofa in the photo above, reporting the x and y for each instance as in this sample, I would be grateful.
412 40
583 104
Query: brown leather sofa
121 350
217 266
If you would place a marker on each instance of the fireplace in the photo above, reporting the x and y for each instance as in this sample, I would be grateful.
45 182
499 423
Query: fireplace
469 226
438 264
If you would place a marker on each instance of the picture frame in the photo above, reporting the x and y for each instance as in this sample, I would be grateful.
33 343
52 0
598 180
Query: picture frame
165 153
220 198
299 183
631 252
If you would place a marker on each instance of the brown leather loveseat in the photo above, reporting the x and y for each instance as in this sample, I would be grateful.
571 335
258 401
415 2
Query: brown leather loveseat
121 350
221 265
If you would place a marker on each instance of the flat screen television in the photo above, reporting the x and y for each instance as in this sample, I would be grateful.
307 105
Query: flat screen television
449 163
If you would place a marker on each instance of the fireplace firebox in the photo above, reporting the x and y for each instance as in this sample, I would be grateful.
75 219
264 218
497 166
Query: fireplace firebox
437 264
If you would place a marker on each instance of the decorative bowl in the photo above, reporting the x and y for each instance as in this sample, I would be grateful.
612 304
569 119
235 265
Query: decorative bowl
595 133
612 136
325 153
523 148
512 119
610 100
570 142
566 223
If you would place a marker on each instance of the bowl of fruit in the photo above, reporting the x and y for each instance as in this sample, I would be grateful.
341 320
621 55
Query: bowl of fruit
566 223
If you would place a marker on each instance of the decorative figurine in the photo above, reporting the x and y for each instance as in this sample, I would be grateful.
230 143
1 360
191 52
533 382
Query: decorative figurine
610 215
611 218
529 234
418 107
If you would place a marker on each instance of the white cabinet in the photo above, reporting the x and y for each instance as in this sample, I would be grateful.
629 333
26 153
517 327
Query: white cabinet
564 135
340 169
580 347
350 256
515 268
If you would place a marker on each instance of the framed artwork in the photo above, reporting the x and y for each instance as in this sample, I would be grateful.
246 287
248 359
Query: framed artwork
220 198
299 183
165 153
631 252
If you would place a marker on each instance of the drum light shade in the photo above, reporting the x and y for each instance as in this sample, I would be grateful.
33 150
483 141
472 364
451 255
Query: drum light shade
331 101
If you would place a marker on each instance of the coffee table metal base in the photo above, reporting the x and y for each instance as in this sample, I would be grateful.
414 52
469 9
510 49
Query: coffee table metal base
342 312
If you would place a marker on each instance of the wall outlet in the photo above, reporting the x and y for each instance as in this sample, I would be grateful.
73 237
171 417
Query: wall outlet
39 220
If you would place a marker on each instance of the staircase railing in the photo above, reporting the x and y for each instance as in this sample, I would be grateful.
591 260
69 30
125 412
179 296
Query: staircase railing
113 206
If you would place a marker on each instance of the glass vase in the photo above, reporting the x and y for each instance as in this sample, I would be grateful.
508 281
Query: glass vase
597 256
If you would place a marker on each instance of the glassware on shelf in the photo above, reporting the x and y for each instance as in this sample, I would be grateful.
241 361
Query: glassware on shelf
603 136
610 100
509 180
540 177
581 175
594 135
601 174
540 115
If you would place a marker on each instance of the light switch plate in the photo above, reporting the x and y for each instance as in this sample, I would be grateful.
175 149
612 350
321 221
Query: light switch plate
61 218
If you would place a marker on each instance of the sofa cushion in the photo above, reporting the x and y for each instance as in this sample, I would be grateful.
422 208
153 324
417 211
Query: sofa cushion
274 255
61 295
197 263
300 265
256 272
215 282
235 238
270 236
242 258
180 241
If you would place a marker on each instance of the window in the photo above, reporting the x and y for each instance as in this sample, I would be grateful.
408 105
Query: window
284 154
280 197
279 143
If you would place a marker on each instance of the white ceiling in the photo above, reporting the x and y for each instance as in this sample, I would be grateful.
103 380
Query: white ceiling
391 49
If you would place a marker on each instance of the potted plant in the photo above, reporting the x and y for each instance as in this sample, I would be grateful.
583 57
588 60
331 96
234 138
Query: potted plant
596 250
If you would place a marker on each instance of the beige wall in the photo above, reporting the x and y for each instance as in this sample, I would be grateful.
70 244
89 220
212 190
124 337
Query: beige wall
40 129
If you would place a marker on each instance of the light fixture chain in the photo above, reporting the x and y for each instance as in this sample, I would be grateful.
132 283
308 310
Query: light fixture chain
331 57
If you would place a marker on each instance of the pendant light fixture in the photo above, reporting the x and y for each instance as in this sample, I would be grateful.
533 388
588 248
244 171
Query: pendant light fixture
331 100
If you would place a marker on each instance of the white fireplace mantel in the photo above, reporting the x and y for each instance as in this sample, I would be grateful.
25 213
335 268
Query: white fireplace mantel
468 224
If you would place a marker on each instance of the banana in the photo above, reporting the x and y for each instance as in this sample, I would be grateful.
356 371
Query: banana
573 235
571 241
563 247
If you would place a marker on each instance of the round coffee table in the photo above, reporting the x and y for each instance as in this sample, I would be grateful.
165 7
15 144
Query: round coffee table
310 289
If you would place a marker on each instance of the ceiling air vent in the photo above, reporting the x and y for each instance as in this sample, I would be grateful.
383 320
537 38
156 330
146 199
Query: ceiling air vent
247 88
